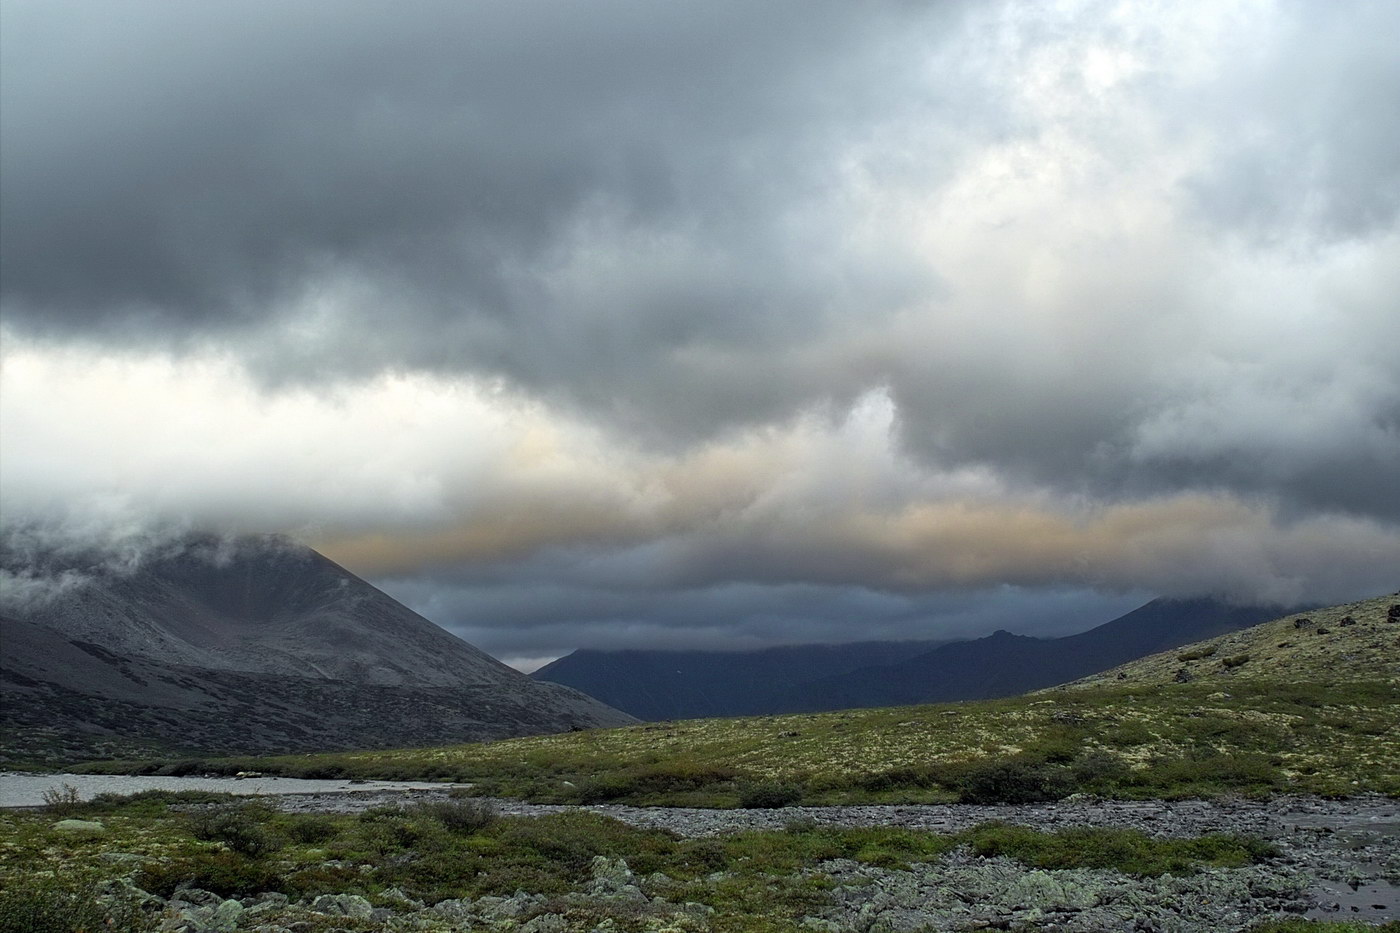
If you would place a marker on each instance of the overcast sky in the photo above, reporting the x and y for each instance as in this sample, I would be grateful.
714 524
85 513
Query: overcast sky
717 324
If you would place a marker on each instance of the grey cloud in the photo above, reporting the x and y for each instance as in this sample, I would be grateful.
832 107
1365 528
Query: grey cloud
196 167
1306 146
676 220
535 618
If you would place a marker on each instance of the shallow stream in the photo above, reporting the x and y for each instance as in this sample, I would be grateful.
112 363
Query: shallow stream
25 789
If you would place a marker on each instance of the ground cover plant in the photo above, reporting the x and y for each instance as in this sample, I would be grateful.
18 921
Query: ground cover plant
1152 741
163 843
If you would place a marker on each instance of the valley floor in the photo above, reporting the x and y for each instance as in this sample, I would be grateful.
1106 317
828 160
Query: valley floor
842 869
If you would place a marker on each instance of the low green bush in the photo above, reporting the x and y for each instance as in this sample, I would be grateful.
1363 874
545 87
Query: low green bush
386 830
311 828
63 906
768 795
649 783
460 816
1204 773
63 800
1014 780
228 874
241 827
1126 850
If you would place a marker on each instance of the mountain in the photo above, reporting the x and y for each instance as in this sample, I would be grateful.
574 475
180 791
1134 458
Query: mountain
253 643
691 684
1354 642
1304 704
1003 664
677 685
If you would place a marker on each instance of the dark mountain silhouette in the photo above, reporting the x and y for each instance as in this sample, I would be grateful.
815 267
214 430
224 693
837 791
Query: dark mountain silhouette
673 685
694 684
243 645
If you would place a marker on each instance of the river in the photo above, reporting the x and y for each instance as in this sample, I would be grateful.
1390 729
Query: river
26 789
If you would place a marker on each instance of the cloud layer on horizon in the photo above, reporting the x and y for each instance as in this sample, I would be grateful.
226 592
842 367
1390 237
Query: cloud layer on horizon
727 309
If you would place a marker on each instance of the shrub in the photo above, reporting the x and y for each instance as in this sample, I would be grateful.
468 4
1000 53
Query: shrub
54 906
1205 772
657 780
902 777
768 795
1126 850
63 800
156 801
311 828
462 817
1099 770
388 829
227 874
1014 781
240 827
567 842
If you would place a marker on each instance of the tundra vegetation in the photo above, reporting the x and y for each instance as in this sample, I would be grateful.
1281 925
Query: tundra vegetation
1313 710
1170 741
157 844
1307 713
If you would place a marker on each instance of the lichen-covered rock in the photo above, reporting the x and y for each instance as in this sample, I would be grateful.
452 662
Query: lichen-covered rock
613 880
343 905
454 909
80 827
546 923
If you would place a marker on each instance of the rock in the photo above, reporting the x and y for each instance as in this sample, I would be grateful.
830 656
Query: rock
1041 890
80 827
398 897
122 857
225 916
1183 676
343 905
546 923
197 896
613 879
611 870
454 909
507 908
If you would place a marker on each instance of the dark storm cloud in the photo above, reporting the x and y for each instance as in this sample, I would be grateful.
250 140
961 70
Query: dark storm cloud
511 277
198 168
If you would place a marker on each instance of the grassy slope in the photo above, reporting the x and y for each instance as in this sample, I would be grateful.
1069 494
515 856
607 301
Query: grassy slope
1309 711
1316 646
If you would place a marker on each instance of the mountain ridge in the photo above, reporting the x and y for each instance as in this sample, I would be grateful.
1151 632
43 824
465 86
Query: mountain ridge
254 643
903 673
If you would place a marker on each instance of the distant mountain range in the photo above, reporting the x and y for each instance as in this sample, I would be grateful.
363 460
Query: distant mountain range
252 644
694 684
688 684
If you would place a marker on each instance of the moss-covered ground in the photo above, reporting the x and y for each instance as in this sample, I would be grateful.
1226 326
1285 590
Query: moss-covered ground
752 880
1163 741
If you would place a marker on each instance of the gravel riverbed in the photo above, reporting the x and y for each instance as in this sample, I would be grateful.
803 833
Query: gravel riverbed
1339 859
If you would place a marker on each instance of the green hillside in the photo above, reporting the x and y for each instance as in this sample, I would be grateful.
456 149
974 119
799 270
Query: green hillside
1314 708
1355 642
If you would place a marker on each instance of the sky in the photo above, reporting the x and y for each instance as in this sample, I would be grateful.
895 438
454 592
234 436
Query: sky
721 324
